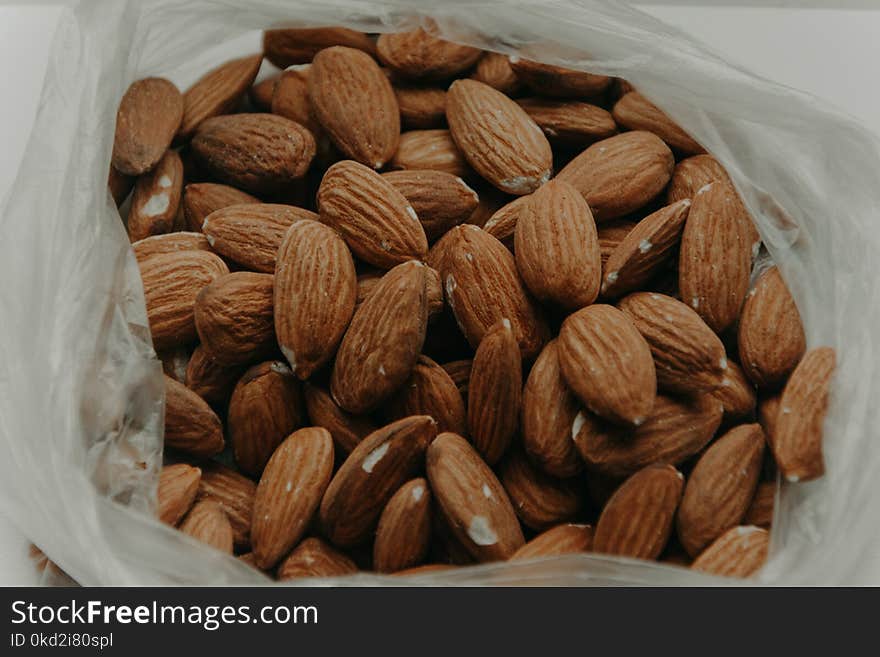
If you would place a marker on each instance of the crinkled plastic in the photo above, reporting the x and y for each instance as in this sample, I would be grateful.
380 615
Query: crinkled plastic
81 421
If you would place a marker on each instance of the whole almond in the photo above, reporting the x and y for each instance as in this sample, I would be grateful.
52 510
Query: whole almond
291 99
770 335
404 532
148 117
370 476
421 107
460 372
768 415
432 150
206 522
549 80
692 174
156 199
315 291
760 511
376 221
178 485
190 424
736 393
502 223
347 430
540 501
430 391
519 159
169 243
201 199
261 92
314 558
265 408
636 112
570 121
417 54
739 552
289 493
209 379
637 520
494 69
620 174
611 235
288 46
472 500
235 494
556 247
440 200
557 541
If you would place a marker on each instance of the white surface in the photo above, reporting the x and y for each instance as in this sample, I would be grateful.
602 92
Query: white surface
830 53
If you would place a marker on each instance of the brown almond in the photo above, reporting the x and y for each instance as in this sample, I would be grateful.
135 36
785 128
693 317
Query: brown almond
417 54
636 112
178 485
557 541
430 391
421 107
156 199
460 372
433 150
169 243
261 92
347 429
201 199
611 235
190 424
404 532
736 394
692 174
570 121
206 522
209 379
440 200
540 501
739 552
291 99
760 511
556 81
288 46
494 69
315 558
235 494
502 223
148 117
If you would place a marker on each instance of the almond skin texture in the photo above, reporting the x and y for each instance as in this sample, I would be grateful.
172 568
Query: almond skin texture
431 150
315 291
178 485
370 476
611 235
259 153
169 243
171 283
503 222
421 107
289 46
495 393
347 430
570 121
147 120
431 391
207 523
608 364
355 104
636 112
217 93
494 69
291 100
261 93
549 80
716 256
549 413
720 487
383 341
376 221
483 287
498 139
637 520
209 379
692 174
235 494
417 54
739 552
688 357
644 250
314 558
620 174
156 199
201 199
760 511
676 430
557 541
266 407
540 501
440 200
460 372
797 437
289 492
404 531
472 500
771 336
736 394
234 318
557 250
768 415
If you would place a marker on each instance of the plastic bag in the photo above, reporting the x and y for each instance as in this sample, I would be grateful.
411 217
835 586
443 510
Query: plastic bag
82 412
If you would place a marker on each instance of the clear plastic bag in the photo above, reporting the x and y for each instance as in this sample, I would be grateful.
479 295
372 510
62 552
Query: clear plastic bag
81 419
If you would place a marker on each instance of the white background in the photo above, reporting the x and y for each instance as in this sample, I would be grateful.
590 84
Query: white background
830 53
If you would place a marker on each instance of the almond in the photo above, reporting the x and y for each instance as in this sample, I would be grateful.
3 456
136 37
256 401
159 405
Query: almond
265 408
771 336
235 495
370 476
206 522
404 531
218 92
261 92
440 200
376 220
768 415
314 558
472 500
209 379
620 174
430 391
739 552
570 121
147 120
190 424
424 569
288 46
611 235
557 541
315 291
692 174
383 341
347 430
421 107
460 372
494 69
736 393
120 185
540 501
156 199
291 99
178 485
636 112
430 149
417 54
201 199
289 493
638 518
549 80
260 153
760 511
557 250
502 223
169 243
797 437
518 158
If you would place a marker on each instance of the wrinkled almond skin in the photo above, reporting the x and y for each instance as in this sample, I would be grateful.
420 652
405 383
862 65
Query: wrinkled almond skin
495 393
265 408
234 318
739 552
608 364
208 523
636 112
355 104
289 46
314 558
259 153
430 391
370 476
736 394
797 437
637 520
347 430
373 217
675 430
201 199
768 415
611 235
692 174
417 54
503 222
557 541
620 174
421 107
483 287
688 357
770 335
156 199
570 121
494 69
147 120
289 493
540 501
383 341
497 138
549 413
432 150
440 200
760 511
178 485
460 372
404 531
209 379
169 243
290 99
235 494
315 292
472 500
549 80
720 487
556 247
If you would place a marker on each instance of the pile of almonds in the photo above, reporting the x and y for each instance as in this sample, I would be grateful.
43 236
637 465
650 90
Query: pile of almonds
524 326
